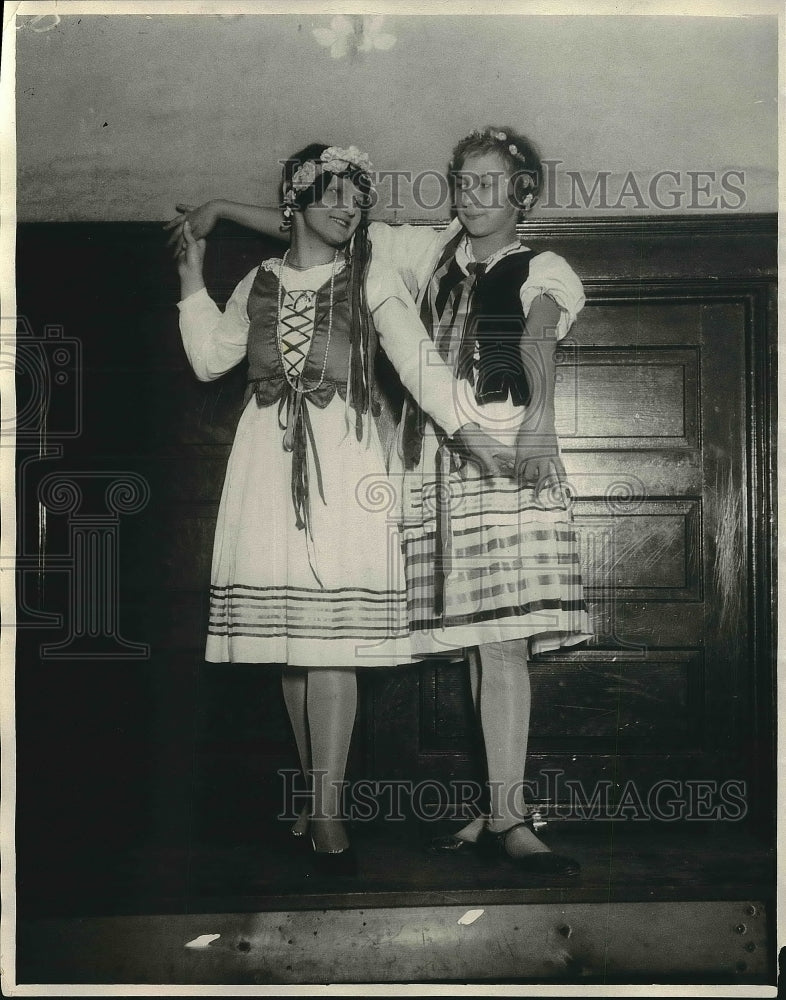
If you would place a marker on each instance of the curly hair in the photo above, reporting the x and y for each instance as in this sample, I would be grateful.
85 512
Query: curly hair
524 165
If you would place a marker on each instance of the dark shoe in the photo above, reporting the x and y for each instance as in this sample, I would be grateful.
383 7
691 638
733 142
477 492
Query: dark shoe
541 863
451 844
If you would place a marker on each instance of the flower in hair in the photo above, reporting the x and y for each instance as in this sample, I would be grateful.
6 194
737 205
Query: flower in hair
516 152
337 160
488 133
333 159
304 176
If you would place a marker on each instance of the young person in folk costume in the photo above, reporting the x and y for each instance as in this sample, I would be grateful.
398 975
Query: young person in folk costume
491 564
303 571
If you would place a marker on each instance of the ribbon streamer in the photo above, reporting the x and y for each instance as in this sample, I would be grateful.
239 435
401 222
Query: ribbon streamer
443 537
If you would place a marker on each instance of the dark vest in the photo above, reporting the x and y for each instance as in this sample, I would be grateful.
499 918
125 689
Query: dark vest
268 384
265 372
495 324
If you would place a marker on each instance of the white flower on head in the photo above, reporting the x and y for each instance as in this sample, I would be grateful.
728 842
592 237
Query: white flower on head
304 176
337 160
334 159
336 166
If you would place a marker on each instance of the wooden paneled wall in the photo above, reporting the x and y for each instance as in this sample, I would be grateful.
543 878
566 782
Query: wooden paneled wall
666 407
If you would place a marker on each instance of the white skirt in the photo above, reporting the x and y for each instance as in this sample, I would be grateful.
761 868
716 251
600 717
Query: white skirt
331 597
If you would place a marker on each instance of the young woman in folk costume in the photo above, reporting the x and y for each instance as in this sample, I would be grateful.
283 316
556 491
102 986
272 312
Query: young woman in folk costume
303 570
491 564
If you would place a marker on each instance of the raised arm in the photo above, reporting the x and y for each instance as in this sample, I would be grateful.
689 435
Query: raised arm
203 218
214 341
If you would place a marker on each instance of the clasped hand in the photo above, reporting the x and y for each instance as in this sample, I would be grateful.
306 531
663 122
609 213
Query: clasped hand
200 218
535 461
474 445
538 462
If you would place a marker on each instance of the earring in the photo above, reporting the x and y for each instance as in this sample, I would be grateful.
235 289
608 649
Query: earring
287 222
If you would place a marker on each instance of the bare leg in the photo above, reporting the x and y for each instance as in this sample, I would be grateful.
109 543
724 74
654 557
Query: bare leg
331 703
293 683
505 702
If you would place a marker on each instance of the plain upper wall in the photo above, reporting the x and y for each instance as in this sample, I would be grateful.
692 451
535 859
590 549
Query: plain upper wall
119 116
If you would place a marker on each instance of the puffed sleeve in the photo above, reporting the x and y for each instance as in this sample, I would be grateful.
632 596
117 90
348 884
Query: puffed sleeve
215 341
550 274
410 349
409 250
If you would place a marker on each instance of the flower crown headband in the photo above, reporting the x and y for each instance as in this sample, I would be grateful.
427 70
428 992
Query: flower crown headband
335 160
525 180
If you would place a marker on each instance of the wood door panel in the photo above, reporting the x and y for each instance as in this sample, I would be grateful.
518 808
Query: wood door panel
643 549
447 720
627 398
649 320
638 624
620 474
619 703
599 703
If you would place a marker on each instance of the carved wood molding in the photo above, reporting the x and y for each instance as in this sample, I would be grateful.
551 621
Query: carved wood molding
616 227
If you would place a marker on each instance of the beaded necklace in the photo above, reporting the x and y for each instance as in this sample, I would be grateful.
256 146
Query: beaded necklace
296 384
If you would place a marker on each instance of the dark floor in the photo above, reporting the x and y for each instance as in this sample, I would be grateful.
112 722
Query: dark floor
622 861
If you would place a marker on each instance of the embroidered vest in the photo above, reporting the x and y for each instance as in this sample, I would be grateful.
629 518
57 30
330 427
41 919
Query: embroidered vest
266 379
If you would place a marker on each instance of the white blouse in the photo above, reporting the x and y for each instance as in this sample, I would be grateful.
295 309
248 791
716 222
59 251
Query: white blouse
413 251
216 341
